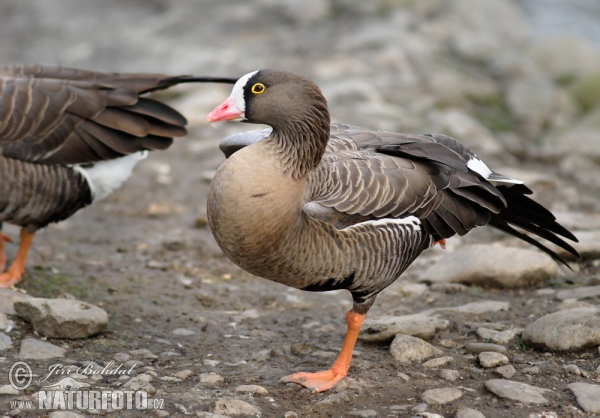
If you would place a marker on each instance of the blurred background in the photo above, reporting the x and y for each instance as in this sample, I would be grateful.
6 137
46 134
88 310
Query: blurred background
515 80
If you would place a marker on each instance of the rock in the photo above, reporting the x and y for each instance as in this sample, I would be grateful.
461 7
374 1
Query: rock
476 348
225 406
571 304
572 369
588 396
517 391
39 350
183 374
586 90
566 56
363 413
5 342
121 357
569 330
384 328
302 349
531 370
507 371
8 390
545 414
468 413
449 375
476 308
406 349
437 362
489 359
441 396
290 414
259 390
498 337
492 266
62 318
211 378
182 331
143 353
64 414
8 298
5 323
589 242
562 142
140 382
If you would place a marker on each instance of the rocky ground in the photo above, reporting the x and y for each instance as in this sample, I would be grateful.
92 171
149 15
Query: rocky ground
488 327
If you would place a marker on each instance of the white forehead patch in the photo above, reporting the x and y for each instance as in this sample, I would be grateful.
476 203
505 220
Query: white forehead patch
237 93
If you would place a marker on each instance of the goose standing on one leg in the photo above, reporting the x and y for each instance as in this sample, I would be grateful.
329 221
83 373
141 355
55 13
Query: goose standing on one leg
70 137
321 207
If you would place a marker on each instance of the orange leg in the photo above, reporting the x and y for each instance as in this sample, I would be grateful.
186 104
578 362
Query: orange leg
322 381
441 242
17 268
3 239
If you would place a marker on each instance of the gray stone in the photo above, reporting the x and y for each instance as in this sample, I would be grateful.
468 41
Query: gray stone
141 382
489 359
256 389
531 370
142 353
571 304
183 374
492 266
437 362
566 56
38 350
226 406
572 369
384 328
588 396
8 298
182 332
65 414
498 337
5 342
507 371
476 348
5 323
406 349
8 390
449 375
562 142
62 318
568 330
517 391
441 396
211 378
468 413
475 308
363 413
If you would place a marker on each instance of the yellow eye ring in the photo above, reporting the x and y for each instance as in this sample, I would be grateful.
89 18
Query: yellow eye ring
258 88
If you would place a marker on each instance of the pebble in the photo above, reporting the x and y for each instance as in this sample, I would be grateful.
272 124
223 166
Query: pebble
182 332
507 371
5 342
517 391
584 292
302 349
489 359
140 382
363 413
256 389
122 357
290 414
384 328
495 266
468 413
441 396
8 298
572 369
404 376
62 318
142 353
406 349
449 375
531 370
211 363
211 378
498 337
572 303
437 362
588 396
225 406
39 350
8 390
476 348
5 323
568 330
183 374
65 414
475 308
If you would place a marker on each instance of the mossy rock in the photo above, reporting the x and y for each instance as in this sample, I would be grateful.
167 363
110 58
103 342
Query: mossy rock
586 90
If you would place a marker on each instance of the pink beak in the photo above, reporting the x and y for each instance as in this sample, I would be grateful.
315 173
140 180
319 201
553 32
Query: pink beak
225 111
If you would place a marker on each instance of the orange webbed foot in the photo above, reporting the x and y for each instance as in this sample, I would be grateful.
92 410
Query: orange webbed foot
316 382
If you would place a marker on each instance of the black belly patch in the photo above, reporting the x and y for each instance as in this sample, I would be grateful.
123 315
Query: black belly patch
331 284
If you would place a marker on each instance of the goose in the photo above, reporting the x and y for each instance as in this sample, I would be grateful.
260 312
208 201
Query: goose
321 206
69 137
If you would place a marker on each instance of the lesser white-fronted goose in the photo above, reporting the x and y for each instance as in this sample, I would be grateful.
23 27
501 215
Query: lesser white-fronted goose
320 206
69 137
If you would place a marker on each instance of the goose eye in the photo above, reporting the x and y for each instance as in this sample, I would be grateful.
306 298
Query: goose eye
258 88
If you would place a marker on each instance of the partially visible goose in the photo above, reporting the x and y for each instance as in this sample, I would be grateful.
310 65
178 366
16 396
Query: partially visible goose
320 206
70 137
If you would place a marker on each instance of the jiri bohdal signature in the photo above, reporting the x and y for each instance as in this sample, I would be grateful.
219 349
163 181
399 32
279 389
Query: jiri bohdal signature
111 369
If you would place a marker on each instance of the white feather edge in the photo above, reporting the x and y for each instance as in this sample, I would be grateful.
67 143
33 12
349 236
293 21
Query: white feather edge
482 169
412 221
104 177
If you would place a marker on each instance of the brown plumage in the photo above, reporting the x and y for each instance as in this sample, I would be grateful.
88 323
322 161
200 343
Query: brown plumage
56 123
319 207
